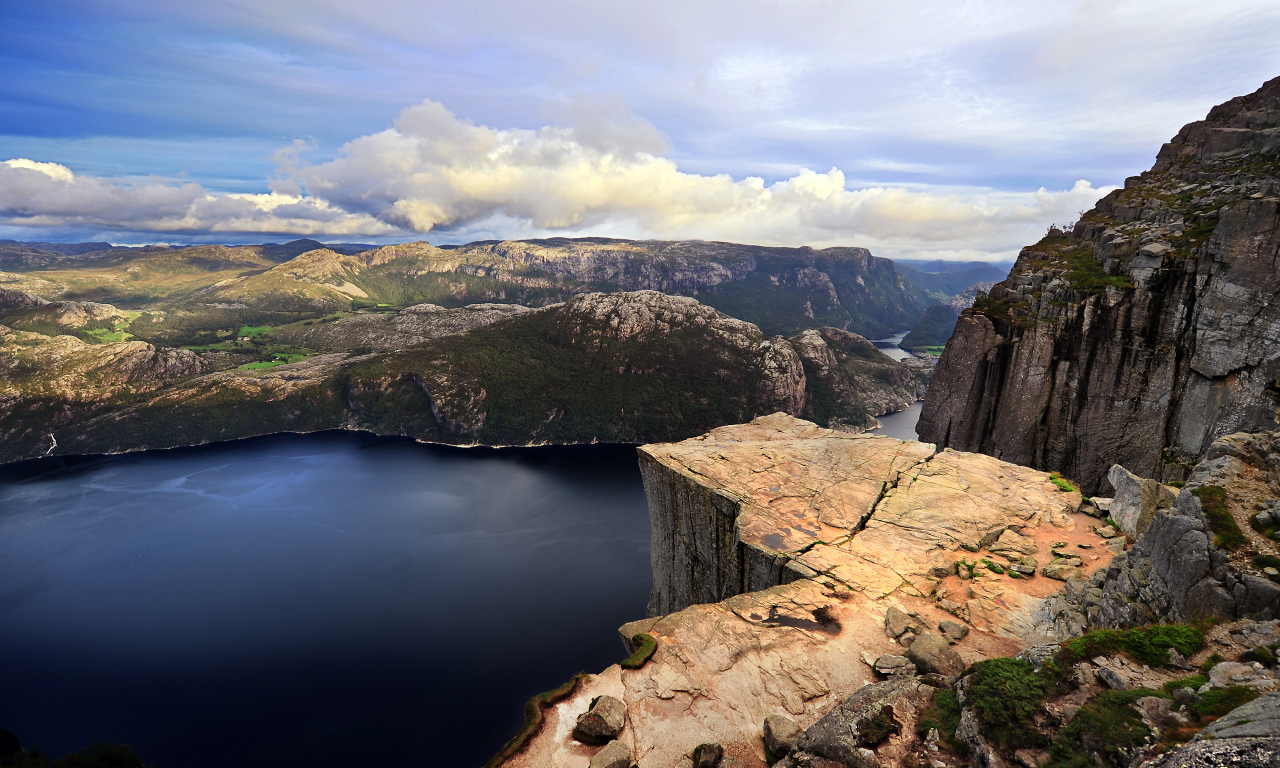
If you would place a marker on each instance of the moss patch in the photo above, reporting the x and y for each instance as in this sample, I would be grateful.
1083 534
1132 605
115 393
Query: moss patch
533 717
645 647
1149 645
1213 500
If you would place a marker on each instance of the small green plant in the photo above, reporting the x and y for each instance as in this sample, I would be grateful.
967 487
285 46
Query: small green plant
943 714
1063 483
993 567
1220 701
1177 483
645 647
875 729
1193 682
1212 661
1262 654
1213 500
1006 692
1266 561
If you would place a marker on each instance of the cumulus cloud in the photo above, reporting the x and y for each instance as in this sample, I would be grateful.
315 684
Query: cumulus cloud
48 195
434 172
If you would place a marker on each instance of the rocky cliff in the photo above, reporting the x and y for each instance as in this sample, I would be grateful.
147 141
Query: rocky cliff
794 567
1146 331
624 367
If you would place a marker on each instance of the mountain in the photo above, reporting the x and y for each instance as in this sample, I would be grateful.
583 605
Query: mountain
782 290
1143 333
939 321
940 280
622 367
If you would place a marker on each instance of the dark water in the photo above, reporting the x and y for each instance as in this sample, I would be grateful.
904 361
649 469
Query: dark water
902 424
324 600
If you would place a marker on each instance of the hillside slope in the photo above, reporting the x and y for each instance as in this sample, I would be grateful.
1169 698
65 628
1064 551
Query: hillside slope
624 367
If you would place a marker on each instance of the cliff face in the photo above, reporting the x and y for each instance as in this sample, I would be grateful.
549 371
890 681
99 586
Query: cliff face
789 559
1143 334
623 367
747 507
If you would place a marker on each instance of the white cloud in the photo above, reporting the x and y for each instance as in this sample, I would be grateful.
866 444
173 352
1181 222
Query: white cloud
434 171
48 195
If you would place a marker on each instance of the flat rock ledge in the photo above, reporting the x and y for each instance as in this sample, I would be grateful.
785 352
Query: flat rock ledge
778 549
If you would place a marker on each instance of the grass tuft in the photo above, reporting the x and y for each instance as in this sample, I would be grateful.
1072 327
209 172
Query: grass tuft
645 647
1213 500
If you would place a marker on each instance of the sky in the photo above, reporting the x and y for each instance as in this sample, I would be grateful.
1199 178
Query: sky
956 130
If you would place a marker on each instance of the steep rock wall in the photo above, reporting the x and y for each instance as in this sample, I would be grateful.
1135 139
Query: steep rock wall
1143 334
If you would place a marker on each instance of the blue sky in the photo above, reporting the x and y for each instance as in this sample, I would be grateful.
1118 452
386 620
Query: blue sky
954 130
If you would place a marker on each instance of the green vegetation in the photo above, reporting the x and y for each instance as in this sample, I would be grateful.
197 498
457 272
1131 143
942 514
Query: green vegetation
1261 654
1063 483
1220 701
645 647
933 329
254 332
1213 500
1006 693
533 717
1107 725
1193 682
943 714
877 727
1177 483
1266 561
1149 645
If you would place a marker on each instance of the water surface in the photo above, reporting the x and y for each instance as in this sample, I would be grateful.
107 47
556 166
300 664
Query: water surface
902 424
323 600
890 346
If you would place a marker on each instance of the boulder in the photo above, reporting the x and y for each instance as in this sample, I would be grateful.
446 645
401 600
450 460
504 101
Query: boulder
849 732
780 734
1062 570
1011 543
614 755
932 653
897 621
1246 737
953 630
1113 678
708 755
602 722
1137 500
889 664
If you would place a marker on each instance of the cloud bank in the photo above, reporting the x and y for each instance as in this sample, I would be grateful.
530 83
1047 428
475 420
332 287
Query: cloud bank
433 173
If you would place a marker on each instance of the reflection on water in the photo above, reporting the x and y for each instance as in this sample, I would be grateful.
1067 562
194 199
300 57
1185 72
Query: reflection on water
890 347
324 600
902 424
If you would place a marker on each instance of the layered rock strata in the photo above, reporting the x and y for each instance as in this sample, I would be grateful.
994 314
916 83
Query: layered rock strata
790 560
1145 332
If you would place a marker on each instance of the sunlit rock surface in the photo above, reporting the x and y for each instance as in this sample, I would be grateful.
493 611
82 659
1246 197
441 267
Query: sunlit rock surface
778 548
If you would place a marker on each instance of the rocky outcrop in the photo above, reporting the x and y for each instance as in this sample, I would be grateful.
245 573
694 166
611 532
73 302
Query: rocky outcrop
409 327
746 507
848 381
783 554
1143 334
1247 737
1137 500
1177 570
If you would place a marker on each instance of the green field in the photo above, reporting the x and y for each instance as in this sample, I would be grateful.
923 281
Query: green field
254 331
